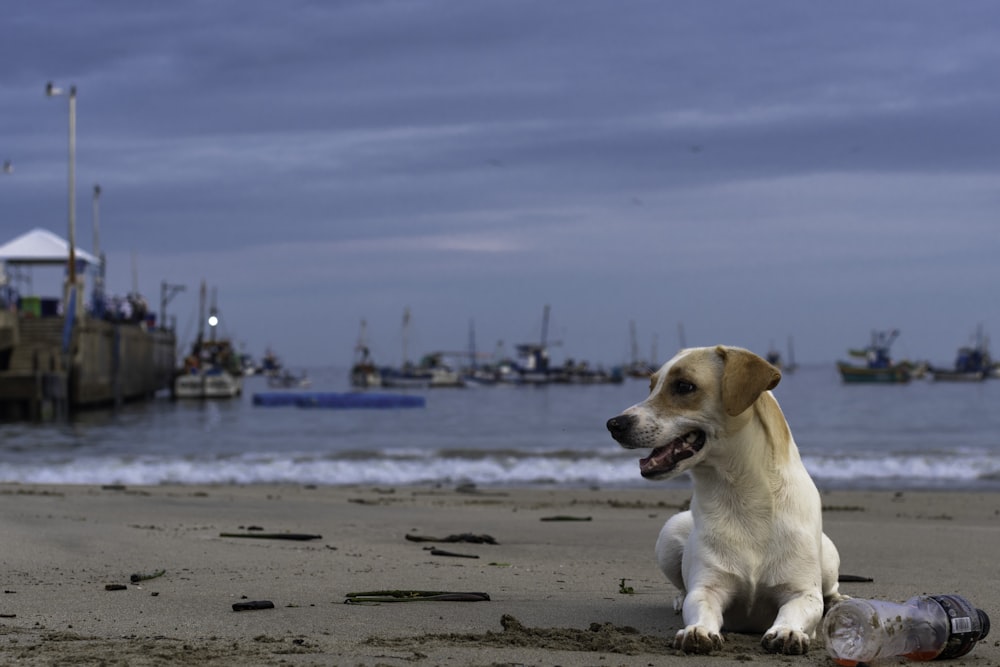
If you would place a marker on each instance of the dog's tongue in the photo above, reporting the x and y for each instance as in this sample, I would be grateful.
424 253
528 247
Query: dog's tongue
665 458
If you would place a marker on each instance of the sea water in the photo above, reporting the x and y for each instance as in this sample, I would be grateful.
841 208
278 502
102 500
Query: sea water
920 435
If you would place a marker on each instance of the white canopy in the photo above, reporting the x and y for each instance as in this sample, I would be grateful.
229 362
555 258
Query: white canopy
40 246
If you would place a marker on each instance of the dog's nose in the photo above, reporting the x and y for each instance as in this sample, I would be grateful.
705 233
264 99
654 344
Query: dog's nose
620 425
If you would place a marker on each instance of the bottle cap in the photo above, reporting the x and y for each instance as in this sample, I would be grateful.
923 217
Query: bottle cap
968 625
984 621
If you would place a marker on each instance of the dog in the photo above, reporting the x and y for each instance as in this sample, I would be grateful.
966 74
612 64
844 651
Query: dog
750 555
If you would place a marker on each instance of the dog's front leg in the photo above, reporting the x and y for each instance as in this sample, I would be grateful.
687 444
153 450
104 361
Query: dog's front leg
795 625
703 621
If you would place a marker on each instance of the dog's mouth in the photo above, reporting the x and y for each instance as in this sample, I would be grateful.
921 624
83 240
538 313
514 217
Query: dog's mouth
665 458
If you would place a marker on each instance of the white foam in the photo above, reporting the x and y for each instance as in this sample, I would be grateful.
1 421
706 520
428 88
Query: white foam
498 469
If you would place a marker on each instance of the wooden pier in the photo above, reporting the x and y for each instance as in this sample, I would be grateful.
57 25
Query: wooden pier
47 372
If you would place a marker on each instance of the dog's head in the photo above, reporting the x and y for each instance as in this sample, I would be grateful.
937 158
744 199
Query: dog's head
694 399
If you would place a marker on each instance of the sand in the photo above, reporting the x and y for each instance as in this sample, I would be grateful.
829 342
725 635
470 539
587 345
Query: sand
583 590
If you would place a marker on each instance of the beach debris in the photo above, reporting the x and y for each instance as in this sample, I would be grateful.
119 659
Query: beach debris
115 587
8 615
302 537
856 578
471 489
137 577
625 590
599 637
461 537
442 552
253 605
376 597
565 517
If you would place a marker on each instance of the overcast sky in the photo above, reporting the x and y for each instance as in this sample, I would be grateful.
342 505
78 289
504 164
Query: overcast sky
748 170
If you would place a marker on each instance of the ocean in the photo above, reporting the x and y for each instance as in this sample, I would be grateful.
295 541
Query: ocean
923 435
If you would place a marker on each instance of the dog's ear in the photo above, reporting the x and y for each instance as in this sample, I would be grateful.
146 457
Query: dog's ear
745 376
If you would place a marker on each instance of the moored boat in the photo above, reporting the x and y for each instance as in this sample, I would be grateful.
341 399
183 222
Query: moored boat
364 372
214 369
879 368
895 374
972 363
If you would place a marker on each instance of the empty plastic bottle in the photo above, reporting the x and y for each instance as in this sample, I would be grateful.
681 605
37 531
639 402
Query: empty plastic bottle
926 627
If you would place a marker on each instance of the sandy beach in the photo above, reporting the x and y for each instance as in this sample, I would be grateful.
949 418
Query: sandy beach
569 573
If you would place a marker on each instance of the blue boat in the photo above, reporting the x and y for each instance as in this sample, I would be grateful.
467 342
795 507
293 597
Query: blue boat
972 363
338 400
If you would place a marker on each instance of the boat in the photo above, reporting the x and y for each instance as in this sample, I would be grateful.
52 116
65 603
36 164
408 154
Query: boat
432 371
364 373
639 368
790 366
270 364
574 372
972 363
879 368
773 357
288 379
61 354
356 399
531 366
213 369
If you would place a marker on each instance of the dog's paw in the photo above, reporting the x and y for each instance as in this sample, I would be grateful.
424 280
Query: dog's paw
785 640
696 639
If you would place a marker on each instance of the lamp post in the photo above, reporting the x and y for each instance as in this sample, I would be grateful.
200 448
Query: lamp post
99 279
52 91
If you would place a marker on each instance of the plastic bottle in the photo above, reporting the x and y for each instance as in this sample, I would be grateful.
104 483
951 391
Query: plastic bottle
926 627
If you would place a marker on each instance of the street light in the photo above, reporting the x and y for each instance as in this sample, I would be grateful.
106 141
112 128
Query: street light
99 279
52 91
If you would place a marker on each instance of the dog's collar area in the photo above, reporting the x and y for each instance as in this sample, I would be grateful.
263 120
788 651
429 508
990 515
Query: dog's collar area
664 459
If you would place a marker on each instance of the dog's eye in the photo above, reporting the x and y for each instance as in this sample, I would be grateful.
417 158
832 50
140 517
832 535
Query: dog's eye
682 387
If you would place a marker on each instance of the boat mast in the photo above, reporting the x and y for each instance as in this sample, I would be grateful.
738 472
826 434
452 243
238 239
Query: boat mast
472 344
201 315
545 325
634 343
406 334
213 315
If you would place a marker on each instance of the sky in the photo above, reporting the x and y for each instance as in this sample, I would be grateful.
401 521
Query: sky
715 172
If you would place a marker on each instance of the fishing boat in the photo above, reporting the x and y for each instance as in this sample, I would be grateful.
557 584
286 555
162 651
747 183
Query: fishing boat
581 372
773 356
364 373
531 366
879 368
432 371
639 368
214 369
270 364
60 354
972 363
288 379
790 365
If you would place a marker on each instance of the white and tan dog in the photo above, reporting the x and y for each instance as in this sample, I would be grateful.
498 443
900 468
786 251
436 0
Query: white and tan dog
750 555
